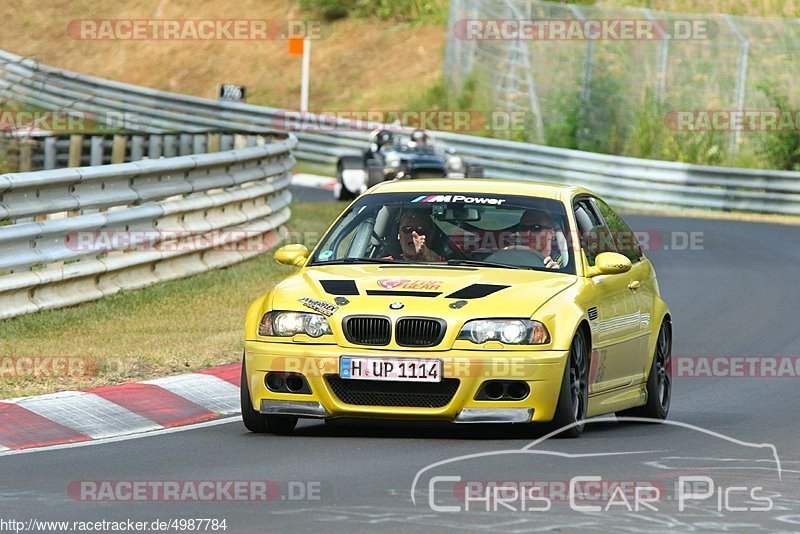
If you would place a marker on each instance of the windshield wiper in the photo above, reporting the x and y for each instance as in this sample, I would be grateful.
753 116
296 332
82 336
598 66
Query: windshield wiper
354 260
477 263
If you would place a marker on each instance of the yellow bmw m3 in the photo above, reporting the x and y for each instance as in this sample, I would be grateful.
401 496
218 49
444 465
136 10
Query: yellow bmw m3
471 301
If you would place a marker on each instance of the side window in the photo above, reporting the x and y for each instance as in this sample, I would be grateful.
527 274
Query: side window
624 238
595 237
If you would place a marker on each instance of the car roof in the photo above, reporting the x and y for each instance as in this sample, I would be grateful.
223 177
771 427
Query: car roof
475 185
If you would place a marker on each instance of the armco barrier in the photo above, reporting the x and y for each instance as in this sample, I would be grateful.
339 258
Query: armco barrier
626 182
75 234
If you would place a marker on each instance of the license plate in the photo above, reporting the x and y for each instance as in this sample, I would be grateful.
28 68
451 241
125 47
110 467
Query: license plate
395 369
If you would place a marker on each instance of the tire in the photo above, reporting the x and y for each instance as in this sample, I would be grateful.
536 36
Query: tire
474 171
374 173
257 422
342 193
659 380
573 399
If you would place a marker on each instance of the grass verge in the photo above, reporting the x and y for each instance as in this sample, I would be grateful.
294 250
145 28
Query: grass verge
169 328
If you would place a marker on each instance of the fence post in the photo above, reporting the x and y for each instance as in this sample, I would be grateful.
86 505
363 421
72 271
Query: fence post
663 55
26 154
587 65
741 74
213 142
75 150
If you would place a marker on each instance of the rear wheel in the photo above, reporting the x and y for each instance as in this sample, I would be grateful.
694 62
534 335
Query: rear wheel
573 400
257 422
341 191
659 381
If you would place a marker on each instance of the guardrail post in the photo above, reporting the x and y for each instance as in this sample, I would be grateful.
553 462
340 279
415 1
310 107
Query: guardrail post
170 146
200 143
137 147
239 141
185 147
154 147
226 142
50 161
118 149
96 154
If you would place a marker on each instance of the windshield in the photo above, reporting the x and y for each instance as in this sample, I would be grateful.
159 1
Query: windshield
512 232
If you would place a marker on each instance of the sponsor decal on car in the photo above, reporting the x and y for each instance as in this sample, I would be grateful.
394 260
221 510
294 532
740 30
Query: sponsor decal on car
392 283
325 308
460 198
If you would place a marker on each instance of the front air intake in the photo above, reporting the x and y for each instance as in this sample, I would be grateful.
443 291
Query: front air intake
419 331
367 329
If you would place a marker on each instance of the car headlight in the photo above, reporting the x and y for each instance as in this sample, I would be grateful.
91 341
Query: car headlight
509 331
392 160
288 323
455 164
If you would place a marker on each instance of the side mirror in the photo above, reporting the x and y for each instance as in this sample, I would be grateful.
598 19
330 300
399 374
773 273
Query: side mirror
295 254
610 263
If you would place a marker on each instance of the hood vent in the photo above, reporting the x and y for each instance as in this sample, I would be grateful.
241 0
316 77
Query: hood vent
339 287
476 291
402 293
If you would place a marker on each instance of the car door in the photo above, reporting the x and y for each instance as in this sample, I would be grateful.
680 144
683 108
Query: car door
612 309
642 285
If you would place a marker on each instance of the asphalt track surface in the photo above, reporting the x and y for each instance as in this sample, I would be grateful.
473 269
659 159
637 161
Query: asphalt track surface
737 296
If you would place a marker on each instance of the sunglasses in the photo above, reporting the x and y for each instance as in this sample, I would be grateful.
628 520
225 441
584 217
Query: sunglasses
407 229
535 227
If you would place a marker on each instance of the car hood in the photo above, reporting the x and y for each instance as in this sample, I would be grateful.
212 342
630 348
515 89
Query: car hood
422 291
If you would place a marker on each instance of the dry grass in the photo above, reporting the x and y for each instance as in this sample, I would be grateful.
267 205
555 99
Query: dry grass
356 65
747 8
169 328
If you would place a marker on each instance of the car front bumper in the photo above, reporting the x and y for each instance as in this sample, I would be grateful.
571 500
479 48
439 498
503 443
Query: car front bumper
541 370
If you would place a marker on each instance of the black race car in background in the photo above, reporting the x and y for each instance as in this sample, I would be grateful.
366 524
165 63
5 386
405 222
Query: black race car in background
397 156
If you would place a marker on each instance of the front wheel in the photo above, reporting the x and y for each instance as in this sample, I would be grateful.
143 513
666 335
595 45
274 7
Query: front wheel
659 381
573 400
257 422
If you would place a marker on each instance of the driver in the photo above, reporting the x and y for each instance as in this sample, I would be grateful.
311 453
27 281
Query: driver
534 231
379 140
419 138
413 231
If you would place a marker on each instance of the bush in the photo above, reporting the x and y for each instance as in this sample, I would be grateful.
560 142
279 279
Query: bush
781 149
398 10
652 139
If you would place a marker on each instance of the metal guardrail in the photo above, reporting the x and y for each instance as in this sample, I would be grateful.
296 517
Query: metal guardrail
81 233
625 182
